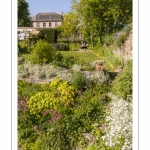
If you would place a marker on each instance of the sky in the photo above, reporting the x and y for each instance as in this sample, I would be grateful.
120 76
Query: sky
58 6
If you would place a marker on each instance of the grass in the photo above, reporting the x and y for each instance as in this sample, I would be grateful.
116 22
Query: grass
83 56
87 57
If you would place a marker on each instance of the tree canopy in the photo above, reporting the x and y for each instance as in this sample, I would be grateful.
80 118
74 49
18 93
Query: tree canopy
23 14
101 17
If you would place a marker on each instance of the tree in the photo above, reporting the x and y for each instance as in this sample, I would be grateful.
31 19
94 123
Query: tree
101 17
23 14
69 26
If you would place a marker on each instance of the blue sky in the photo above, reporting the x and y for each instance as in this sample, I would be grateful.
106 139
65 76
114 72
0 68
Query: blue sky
36 6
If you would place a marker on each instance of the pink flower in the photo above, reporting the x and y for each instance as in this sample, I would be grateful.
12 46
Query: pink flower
35 127
59 116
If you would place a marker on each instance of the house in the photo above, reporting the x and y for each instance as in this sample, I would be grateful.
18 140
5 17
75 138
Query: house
41 20
46 20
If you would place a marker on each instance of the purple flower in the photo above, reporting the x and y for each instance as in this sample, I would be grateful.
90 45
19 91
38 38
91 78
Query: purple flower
55 112
53 118
46 112
59 116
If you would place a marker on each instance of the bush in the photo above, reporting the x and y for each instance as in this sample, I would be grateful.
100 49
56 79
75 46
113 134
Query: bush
78 80
108 39
42 53
57 94
123 83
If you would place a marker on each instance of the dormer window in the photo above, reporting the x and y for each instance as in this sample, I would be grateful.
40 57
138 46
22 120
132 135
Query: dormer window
50 17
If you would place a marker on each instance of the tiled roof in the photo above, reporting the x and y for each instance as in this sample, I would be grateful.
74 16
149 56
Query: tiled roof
48 13
33 18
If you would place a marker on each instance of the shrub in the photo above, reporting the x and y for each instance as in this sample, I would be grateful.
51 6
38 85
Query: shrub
23 73
78 80
76 68
65 75
55 95
42 53
108 39
123 83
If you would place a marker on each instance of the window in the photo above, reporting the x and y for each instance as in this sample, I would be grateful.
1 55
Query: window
44 25
56 23
50 17
38 24
50 24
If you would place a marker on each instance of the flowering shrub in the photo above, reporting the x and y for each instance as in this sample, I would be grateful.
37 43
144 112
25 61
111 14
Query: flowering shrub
119 124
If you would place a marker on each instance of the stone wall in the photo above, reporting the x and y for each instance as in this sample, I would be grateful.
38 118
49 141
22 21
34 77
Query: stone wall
126 49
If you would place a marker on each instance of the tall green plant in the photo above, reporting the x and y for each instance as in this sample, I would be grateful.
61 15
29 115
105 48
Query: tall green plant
123 83
42 53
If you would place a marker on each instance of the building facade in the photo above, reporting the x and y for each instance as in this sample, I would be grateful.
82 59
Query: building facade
46 20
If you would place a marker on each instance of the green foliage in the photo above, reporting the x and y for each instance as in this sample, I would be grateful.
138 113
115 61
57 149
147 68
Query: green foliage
74 46
42 53
78 80
23 14
111 60
26 89
123 35
22 45
91 147
121 39
108 39
69 26
61 46
123 83
50 35
45 127
26 133
57 94
99 18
